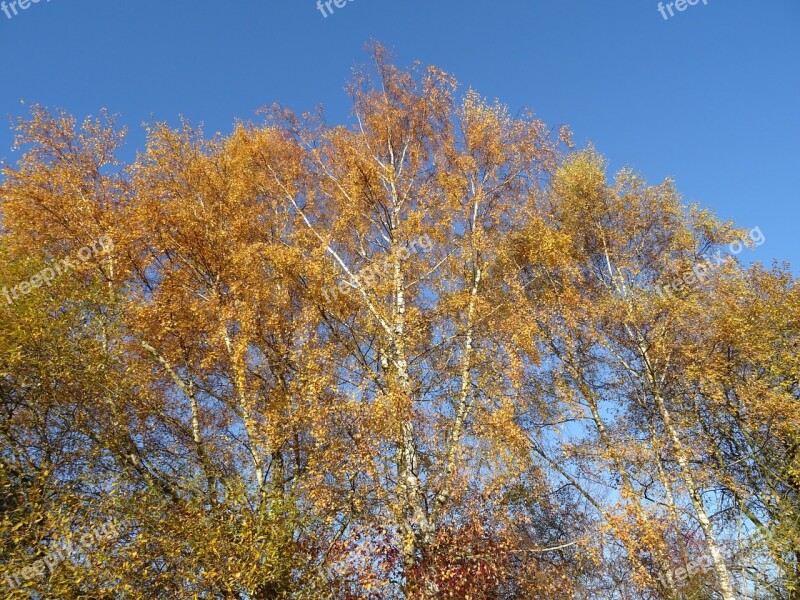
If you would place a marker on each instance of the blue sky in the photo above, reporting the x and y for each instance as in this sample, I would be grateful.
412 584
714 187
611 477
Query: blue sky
710 97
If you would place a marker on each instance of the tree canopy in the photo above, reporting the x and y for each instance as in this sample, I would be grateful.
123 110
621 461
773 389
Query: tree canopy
434 352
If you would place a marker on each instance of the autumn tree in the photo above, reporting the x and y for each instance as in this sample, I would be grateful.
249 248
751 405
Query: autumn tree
426 353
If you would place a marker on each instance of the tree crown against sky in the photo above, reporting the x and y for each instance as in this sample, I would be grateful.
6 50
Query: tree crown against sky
426 353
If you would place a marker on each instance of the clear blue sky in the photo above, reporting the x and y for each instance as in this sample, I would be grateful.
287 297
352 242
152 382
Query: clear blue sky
710 97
